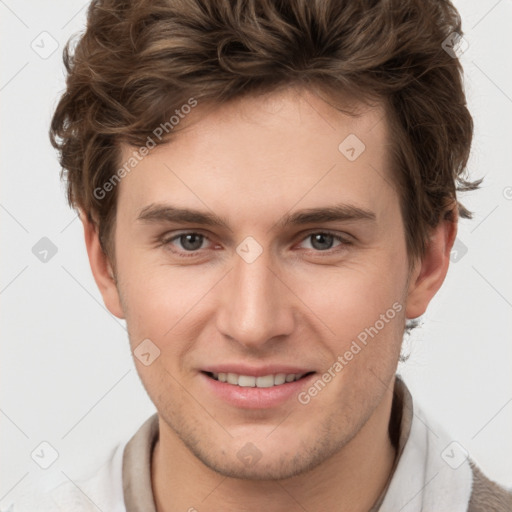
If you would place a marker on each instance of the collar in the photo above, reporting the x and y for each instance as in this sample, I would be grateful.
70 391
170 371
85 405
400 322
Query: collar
420 480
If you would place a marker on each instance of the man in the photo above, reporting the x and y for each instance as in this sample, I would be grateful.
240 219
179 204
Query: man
268 194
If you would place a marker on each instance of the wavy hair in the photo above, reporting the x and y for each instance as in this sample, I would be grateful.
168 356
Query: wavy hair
139 61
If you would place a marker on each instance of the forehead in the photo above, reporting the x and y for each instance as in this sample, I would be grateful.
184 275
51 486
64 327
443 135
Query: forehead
266 153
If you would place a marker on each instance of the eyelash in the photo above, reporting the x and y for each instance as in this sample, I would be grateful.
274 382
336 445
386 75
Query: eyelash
166 241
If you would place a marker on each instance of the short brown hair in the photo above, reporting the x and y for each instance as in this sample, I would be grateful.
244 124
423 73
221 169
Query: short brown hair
139 61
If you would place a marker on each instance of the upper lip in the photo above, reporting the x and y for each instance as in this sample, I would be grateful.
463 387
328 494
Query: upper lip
256 371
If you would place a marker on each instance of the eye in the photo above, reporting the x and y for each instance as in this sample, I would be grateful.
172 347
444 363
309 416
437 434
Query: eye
323 241
188 242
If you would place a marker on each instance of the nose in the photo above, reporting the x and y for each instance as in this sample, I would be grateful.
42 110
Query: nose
256 305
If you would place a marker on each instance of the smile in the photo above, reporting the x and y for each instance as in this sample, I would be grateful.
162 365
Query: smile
250 381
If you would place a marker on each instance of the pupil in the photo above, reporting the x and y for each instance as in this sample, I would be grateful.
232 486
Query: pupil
185 239
321 237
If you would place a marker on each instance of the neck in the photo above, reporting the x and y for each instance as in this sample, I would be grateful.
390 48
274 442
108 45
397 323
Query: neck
351 480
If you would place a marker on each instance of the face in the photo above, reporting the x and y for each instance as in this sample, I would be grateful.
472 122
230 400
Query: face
289 264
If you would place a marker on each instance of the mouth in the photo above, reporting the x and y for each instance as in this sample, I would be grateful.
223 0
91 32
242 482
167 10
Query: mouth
263 381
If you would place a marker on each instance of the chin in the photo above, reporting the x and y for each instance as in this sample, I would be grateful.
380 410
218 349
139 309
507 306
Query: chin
279 468
278 459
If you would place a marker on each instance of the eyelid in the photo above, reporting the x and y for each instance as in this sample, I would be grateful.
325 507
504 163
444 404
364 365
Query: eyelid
344 239
345 236
167 238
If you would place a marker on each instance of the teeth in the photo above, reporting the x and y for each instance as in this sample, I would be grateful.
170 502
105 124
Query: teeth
232 378
280 378
265 382
249 381
246 381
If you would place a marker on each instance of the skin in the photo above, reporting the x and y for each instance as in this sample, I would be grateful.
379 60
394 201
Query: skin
251 162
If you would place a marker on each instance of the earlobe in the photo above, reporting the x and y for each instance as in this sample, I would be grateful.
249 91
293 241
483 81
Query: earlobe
101 269
430 272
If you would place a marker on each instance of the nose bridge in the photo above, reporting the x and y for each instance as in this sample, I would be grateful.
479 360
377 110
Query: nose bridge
255 306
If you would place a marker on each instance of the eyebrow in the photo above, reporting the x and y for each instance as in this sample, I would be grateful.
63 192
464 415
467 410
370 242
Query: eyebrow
157 212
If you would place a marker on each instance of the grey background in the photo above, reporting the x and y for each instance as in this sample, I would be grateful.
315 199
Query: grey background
67 376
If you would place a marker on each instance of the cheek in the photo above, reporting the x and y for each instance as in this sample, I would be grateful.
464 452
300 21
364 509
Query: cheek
364 311
163 302
352 297
160 301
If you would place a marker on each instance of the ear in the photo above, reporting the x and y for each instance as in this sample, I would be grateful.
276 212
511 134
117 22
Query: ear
101 268
430 271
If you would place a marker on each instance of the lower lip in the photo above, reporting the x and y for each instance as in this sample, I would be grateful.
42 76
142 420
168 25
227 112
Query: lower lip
256 398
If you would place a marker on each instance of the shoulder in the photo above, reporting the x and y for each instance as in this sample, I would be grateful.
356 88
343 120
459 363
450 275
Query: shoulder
486 495
103 490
